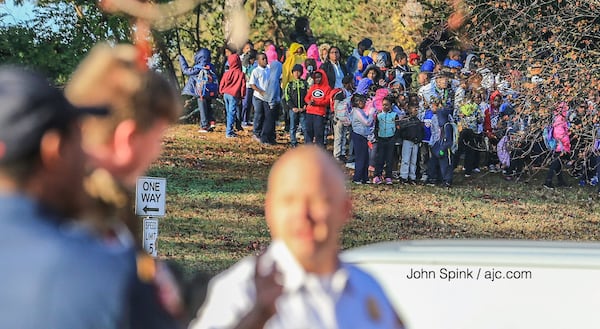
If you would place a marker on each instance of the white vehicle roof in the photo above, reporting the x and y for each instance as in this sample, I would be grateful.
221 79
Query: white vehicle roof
487 283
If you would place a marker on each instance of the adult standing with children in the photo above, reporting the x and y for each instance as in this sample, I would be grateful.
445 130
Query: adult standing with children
334 69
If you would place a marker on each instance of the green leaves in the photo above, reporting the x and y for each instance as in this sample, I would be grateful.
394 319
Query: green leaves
58 37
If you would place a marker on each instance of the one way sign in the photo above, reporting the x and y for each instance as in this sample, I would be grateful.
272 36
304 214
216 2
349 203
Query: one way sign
150 194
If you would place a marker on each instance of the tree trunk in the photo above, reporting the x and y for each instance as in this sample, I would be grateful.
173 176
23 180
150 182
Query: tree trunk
163 52
228 8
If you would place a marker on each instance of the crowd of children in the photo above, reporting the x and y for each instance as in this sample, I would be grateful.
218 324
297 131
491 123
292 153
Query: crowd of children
408 116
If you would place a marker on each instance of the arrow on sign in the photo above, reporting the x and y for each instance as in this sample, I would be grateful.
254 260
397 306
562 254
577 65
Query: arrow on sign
146 209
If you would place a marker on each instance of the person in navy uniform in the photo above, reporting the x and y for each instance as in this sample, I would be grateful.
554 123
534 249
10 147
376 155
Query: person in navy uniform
50 278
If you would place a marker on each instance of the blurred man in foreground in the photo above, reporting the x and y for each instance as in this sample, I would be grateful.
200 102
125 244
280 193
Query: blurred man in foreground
121 146
299 282
50 278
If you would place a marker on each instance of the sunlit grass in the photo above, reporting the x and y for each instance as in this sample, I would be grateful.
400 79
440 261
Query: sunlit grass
215 197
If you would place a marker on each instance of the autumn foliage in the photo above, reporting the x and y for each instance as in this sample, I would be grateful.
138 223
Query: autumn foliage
544 53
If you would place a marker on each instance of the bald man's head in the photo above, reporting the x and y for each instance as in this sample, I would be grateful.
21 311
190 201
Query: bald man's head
308 156
307 205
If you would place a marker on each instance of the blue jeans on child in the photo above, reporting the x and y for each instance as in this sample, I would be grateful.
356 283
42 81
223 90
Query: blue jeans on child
244 114
315 128
206 113
231 107
384 156
440 169
361 152
260 108
295 119
340 136
408 168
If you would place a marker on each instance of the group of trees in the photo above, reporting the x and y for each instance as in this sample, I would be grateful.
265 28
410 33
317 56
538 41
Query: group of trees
62 31
557 41
550 53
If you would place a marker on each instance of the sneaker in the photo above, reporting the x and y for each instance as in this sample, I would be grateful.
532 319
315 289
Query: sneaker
447 185
377 180
424 179
231 136
212 124
548 185
357 182
202 130
412 182
476 170
403 181
396 174
467 175
371 168
492 169
388 181
350 165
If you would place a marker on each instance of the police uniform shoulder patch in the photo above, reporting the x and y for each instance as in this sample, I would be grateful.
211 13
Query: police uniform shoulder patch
373 309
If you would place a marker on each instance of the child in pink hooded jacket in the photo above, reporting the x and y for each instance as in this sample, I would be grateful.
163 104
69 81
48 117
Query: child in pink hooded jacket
560 132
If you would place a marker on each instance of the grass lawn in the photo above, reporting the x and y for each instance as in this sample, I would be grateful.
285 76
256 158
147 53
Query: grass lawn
216 186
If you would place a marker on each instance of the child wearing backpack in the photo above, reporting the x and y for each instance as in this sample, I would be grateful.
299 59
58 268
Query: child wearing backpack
560 132
342 108
440 164
385 130
203 83
294 94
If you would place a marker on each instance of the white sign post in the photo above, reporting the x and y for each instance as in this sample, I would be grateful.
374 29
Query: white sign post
150 235
150 195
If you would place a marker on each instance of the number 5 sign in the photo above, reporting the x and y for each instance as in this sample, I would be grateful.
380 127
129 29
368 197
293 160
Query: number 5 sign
150 235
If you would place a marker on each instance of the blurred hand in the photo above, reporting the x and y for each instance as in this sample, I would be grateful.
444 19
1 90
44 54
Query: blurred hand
268 289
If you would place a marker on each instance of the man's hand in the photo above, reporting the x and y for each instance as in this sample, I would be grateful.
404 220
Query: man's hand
268 289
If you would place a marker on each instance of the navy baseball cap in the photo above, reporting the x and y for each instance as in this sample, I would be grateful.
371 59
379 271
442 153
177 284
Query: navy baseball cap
29 107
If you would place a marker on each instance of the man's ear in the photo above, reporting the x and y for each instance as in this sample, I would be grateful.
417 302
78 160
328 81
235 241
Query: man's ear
123 140
50 145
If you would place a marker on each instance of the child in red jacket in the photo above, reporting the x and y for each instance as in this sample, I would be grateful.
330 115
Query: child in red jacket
233 89
317 100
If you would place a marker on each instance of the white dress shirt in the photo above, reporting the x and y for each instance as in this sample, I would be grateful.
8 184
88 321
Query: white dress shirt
348 298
